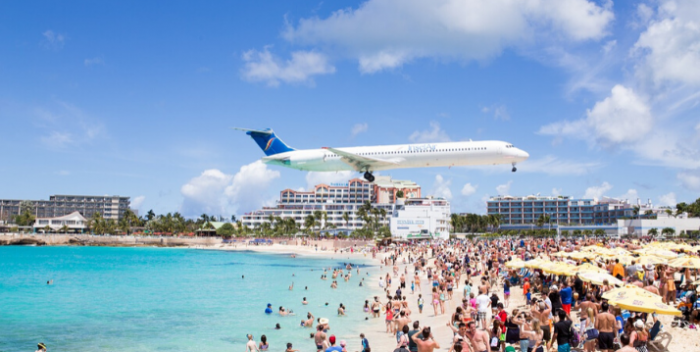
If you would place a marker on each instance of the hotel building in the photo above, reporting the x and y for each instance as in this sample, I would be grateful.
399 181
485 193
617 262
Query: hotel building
421 218
335 200
526 210
111 207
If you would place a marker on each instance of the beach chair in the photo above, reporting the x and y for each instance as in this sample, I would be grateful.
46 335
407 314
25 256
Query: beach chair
658 341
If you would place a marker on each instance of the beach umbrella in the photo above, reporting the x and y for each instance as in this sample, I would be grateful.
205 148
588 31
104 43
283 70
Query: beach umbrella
651 259
627 290
663 253
559 269
598 278
643 303
535 263
588 267
685 262
515 264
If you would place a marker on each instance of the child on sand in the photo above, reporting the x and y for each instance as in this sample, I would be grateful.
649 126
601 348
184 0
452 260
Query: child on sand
420 303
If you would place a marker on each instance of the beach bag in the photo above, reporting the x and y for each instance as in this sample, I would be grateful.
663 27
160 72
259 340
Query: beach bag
575 340
495 344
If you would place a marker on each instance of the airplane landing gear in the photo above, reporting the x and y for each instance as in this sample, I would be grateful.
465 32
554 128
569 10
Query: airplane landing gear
514 168
369 177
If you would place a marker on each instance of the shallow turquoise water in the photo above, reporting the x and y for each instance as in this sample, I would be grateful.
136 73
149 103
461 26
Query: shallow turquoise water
147 299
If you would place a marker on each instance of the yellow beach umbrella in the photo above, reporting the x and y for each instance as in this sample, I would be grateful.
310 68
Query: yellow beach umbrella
624 291
643 303
663 253
535 263
560 269
651 259
515 264
599 278
588 267
685 262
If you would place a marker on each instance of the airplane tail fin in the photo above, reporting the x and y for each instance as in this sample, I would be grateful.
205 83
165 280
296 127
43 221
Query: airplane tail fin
268 141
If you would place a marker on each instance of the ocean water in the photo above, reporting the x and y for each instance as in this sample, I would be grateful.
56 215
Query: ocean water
165 299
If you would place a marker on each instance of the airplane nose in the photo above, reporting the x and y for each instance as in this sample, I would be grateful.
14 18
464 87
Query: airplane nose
524 154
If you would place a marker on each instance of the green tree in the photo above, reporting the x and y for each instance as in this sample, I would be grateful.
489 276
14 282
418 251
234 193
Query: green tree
309 223
577 232
346 218
399 194
565 233
653 232
599 232
26 214
150 215
668 231
226 230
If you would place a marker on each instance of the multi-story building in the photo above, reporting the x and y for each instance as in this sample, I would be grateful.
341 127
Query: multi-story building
608 210
421 218
335 200
111 207
526 210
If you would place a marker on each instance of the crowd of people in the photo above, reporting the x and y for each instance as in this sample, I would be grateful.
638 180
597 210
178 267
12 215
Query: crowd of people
561 311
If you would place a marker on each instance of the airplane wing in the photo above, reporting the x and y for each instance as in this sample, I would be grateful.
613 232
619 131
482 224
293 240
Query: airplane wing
360 163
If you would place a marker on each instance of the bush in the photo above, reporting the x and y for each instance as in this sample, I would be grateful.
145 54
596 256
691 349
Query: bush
226 230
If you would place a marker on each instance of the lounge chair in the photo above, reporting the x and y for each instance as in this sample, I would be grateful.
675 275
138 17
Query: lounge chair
658 341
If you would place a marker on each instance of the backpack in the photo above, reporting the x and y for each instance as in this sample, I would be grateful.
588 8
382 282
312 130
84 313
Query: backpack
575 339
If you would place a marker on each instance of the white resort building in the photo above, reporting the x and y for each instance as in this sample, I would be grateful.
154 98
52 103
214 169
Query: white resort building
74 222
421 218
335 200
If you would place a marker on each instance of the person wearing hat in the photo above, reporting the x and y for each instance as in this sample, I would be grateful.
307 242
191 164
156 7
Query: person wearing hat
268 310
41 347
333 347
343 344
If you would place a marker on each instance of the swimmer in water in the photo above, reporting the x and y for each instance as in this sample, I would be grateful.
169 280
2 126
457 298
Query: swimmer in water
304 301
268 310
277 327
291 287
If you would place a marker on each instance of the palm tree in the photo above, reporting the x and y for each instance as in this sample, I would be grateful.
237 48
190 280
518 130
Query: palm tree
325 220
150 215
456 221
635 211
668 231
587 232
565 233
309 222
64 229
382 213
346 218
669 212
653 232
47 229
599 232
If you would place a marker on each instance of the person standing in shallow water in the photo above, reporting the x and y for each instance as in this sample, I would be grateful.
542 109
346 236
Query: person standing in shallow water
251 346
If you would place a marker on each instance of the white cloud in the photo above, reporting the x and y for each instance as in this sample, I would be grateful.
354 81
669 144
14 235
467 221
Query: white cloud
632 195
385 34
263 66
244 192
500 112
314 178
214 192
597 191
468 189
66 126
53 40
57 140
441 188
556 191
205 193
504 189
668 199
670 46
435 134
137 202
622 117
358 128
93 61
690 179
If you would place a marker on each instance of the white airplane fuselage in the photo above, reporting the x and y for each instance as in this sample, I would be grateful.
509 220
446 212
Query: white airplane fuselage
403 156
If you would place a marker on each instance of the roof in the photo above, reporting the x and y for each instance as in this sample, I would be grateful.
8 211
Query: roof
72 216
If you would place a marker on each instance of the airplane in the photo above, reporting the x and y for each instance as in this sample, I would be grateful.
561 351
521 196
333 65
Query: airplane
385 157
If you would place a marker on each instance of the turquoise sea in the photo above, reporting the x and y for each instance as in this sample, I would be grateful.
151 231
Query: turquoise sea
165 299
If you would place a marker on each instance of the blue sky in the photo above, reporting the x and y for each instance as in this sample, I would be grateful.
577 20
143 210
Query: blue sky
137 99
